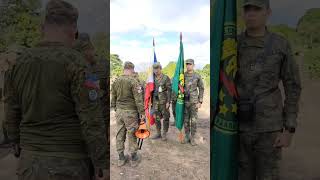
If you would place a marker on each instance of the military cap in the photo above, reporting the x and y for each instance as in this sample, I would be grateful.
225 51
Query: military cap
58 11
156 65
83 42
258 3
128 65
189 61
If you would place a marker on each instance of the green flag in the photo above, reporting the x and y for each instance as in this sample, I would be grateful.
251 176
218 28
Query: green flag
178 88
224 126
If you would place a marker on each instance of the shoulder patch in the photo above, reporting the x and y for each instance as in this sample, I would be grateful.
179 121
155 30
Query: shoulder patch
92 82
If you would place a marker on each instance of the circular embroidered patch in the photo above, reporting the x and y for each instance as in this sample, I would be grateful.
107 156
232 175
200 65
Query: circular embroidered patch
93 95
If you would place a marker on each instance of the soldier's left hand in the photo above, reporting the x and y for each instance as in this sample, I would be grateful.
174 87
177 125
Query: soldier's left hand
283 139
167 105
199 105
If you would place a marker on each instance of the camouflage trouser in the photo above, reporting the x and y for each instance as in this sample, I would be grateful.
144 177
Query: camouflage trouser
190 118
173 107
3 130
162 112
258 159
127 123
35 167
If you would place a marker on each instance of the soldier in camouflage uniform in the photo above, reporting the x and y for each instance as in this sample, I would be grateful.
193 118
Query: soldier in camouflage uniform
127 101
52 108
7 60
161 101
194 89
96 68
173 106
266 125
142 83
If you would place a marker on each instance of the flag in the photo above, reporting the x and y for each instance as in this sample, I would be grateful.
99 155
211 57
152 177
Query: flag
149 90
178 89
224 126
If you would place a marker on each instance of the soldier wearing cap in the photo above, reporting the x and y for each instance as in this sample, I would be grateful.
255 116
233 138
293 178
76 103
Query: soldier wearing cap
53 113
193 96
127 101
161 101
266 124
96 68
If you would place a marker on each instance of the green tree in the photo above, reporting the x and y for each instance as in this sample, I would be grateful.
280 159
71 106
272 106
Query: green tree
116 65
20 23
101 43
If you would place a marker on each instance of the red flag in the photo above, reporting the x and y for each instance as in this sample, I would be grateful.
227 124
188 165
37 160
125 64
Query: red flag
149 90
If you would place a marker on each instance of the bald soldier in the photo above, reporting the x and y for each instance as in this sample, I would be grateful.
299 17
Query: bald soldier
127 101
53 113
194 89
266 124
161 101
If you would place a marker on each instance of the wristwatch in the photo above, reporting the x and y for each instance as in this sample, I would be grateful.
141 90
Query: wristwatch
290 129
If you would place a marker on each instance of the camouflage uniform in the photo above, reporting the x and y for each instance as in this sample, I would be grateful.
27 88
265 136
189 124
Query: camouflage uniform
127 100
161 96
53 110
173 106
141 83
194 88
263 63
96 68
7 60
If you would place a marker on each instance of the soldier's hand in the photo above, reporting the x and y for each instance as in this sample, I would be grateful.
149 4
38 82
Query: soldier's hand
167 105
102 174
283 139
199 105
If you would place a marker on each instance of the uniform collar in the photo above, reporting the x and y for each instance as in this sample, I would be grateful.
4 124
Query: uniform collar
250 41
160 77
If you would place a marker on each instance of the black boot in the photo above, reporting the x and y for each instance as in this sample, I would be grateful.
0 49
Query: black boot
135 159
158 135
122 159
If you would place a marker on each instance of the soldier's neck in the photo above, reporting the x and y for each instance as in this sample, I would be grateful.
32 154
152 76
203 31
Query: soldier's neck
256 32
57 37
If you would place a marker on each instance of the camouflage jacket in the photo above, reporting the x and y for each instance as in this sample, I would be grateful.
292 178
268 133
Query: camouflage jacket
259 75
126 94
52 106
162 89
194 88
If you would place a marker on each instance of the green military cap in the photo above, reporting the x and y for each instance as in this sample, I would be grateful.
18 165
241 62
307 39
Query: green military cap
258 3
61 12
189 61
83 42
156 65
128 65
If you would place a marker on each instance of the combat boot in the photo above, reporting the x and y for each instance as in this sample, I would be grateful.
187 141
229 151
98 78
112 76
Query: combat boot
192 141
122 159
164 136
158 135
135 159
